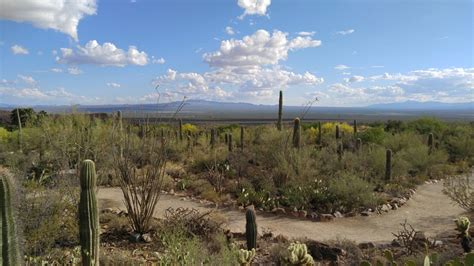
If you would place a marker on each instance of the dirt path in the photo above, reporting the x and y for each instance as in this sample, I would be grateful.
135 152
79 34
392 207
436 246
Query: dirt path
429 210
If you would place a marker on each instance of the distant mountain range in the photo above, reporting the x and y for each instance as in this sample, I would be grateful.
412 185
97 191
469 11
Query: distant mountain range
414 105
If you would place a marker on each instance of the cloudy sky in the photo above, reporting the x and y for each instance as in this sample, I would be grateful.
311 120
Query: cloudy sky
345 52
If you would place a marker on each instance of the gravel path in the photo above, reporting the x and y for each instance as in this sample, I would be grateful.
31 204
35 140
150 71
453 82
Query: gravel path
429 210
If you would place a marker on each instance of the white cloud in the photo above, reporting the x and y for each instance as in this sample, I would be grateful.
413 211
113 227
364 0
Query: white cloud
74 71
60 15
345 32
229 30
254 7
56 70
341 67
260 48
27 79
160 60
354 79
306 33
17 49
113 85
105 55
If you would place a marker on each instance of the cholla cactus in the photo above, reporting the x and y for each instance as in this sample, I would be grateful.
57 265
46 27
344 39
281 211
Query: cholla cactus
298 255
246 256
462 226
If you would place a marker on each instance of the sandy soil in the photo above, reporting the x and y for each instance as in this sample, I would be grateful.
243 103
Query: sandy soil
429 210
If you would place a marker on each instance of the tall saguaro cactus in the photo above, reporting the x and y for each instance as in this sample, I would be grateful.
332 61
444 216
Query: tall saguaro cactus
280 111
388 165
230 142
20 137
431 142
296 133
88 215
319 139
355 128
338 132
180 129
120 132
242 138
213 138
251 228
9 249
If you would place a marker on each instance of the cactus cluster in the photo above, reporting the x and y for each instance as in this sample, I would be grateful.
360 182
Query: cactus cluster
251 228
298 255
297 133
88 215
9 249
245 257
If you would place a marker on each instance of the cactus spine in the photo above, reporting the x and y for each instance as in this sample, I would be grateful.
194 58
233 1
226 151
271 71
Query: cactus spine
230 142
251 228
88 215
9 249
388 165
280 111
296 133
242 138
213 138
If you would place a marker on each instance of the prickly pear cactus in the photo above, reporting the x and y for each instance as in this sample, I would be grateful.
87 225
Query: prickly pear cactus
245 257
88 215
251 228
9 249
298 255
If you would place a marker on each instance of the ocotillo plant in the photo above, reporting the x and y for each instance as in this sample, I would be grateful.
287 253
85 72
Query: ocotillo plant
251 228
355 128
180 130
213 138
241 138
9 251
388 165
338 132
88 215
320 135
280 111
20 141
296 133
430 142
230 142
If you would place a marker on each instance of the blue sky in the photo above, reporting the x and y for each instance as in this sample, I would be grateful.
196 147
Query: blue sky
345 53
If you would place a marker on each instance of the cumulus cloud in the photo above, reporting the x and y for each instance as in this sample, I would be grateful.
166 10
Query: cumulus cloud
160 60
113 85
341 67
345 32
74 71
354 79
27 79
306 33
254 7
104 55
56 70
19 50
60 15
229 30
260 48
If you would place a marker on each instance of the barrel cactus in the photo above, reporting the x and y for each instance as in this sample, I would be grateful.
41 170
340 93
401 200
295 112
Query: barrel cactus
88 215
9 251
462 226
388 165
298 255
245 257
251 228
296 133
280 111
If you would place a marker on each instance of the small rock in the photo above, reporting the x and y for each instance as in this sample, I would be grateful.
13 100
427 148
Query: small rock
366 245
281 238
279 211
134 238
172 191
438 243
314 216
385 207
320 251
394 206
146 238
366 213
338 215
325 217
108 210
302 214
420 236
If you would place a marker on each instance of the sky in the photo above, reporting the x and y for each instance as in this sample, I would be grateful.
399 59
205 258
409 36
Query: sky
342 52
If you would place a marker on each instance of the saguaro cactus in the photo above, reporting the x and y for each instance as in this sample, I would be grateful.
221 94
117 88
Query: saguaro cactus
430 142
338 132
296 133
213 138
355 128
9 249
226 138
120 132
388 165
340 150
320 135
242 138
251 228
230 142
88 215
280 111
180 130
20 137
